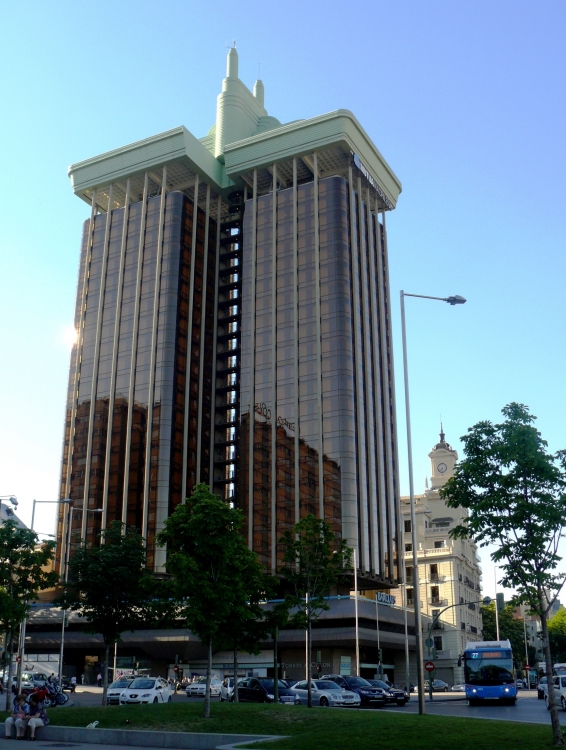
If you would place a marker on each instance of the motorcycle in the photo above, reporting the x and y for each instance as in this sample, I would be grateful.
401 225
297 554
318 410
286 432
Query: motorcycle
50 694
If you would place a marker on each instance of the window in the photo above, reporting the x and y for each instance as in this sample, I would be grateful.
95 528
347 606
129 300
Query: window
408 548
438 642
440 544
409 574
435 594
434 572
410 596
435 613
407 526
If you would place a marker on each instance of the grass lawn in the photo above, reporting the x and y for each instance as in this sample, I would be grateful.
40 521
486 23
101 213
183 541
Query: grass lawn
318 728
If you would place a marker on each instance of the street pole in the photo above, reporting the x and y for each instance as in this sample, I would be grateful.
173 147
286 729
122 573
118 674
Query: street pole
526 646
416 581
496 608
407 664
379 668
453 300
356 614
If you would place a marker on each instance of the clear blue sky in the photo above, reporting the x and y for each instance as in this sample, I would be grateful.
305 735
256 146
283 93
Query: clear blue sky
466 102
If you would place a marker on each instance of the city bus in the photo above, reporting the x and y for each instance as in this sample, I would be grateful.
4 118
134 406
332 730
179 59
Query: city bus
489 672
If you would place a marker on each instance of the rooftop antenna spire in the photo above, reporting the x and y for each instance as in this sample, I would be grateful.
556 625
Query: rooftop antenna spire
441 431
234 43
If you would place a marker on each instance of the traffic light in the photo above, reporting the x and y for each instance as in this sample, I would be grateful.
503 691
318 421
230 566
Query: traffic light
500 601
380 657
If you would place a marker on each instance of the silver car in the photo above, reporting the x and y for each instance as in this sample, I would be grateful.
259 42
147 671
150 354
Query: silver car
326 693
198 688
116 689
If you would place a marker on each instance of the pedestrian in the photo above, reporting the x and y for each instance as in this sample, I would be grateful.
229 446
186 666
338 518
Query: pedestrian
99 680
37 715
18 718
82 679
73 683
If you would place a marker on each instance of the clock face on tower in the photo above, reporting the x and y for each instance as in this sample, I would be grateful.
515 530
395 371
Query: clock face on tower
442 468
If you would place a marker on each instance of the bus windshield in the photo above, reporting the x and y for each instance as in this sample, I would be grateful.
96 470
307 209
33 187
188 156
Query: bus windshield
489 667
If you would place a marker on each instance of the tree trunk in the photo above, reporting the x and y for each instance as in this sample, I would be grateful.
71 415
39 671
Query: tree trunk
309 648
557 738
105 673
275 667
9 683
236 698
208 678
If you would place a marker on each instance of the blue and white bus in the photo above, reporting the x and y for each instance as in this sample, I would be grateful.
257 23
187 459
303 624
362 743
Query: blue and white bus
489 672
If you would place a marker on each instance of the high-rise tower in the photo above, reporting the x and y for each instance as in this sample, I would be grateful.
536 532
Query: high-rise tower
234 328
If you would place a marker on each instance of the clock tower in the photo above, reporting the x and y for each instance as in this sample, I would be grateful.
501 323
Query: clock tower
443 459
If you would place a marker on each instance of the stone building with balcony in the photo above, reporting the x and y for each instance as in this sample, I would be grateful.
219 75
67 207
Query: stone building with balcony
449 569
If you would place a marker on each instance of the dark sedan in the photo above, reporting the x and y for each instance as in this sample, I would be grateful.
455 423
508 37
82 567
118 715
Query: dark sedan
260 690
540 687
394 695
369 695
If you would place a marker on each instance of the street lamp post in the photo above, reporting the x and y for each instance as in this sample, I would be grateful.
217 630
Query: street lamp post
455 300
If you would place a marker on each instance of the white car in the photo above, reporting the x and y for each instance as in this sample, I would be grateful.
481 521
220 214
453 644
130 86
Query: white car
116 689
198 688
227 689
559 692
146 690
326 693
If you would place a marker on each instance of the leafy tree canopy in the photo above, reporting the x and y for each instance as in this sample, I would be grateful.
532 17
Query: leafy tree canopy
557 635
24 571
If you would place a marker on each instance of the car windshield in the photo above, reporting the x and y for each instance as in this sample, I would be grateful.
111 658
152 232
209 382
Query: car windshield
142 684
268 684
379 683
119 684
326 685
489 668
357 682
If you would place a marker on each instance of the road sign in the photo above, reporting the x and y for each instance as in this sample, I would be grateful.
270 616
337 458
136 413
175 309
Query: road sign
528 668
429 666
429 642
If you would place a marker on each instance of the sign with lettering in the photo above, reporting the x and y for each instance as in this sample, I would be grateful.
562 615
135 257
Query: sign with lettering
384 598
363 169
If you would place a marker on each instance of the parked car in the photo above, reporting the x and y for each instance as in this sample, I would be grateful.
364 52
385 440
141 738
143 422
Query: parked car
520 684
66 684
438 686
291 683
541 687
559 692
459 688
198 688
394 695
260 690
227 689
325 693
369 695
32 680
146 690
115 690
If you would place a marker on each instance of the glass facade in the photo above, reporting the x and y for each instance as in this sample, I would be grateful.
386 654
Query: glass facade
128 384
316 379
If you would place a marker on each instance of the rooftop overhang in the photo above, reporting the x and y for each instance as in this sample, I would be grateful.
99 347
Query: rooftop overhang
183 154
337 137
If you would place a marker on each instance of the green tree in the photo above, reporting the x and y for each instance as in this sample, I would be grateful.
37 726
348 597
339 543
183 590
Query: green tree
515 494
211 568
557 635
24 573
510 628
110 587
314 563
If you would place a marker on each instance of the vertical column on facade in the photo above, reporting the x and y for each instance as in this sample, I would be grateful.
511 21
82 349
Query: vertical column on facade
252 369
394 496
361 482
112 398
80 338
190 343
214 339
296 342
378 390
386 384
153 354
369 435
274 374
96 362
202 336
131 384
318 314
